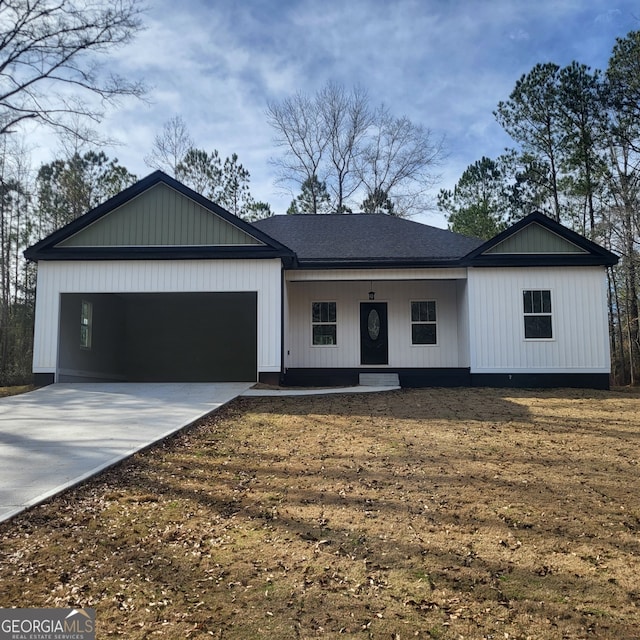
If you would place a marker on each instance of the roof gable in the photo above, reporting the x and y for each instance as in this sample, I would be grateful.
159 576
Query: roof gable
539 241
160 217
157 218
534 239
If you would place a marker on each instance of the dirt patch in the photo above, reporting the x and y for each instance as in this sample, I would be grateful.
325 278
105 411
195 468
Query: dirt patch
16 390
460 513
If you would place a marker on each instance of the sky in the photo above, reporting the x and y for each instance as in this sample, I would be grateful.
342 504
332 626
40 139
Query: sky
444 64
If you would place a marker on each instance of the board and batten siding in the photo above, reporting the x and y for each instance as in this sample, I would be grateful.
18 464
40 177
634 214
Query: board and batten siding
157 276
463 323
348 296
160 217
535 239
580 342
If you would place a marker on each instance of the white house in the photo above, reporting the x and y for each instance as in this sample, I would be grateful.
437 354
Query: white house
160 284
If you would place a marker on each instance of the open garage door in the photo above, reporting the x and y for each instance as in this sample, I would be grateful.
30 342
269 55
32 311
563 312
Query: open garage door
158 337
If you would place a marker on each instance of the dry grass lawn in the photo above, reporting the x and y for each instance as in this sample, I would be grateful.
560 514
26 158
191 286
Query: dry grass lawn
14 391
435 513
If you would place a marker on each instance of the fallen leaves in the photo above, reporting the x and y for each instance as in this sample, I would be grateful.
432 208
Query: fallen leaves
465 513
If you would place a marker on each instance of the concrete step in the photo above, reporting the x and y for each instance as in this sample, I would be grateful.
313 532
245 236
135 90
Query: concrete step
382 379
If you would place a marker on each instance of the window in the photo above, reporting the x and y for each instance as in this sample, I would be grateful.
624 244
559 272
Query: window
423 322
537 314
323 323
86 321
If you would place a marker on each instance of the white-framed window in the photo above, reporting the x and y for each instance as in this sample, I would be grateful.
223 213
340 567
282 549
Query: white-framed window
424 329
538 323
86 324
324 325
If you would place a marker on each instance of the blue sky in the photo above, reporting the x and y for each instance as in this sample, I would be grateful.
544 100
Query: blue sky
443 63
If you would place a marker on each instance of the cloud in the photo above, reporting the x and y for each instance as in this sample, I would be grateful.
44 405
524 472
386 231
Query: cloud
444 64
519 34
611 16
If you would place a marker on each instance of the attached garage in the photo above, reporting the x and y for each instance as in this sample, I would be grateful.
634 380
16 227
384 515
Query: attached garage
158 285
158 337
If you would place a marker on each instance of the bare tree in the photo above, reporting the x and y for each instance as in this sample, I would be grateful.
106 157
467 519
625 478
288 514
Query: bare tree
335 138
48 58
347 118
300 130
398 161
170 147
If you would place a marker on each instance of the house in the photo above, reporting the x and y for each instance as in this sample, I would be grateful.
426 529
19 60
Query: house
160 284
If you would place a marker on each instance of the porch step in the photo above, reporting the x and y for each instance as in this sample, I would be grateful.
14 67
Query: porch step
379 380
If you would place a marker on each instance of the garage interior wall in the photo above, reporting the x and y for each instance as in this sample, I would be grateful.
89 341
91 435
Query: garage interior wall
160 337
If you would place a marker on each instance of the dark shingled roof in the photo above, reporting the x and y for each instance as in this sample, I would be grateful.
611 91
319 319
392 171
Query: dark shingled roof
366 240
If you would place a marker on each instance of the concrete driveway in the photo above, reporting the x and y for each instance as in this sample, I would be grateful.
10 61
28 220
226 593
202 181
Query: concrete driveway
57 436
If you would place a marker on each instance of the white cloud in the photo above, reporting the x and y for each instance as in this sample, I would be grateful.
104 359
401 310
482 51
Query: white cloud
443 64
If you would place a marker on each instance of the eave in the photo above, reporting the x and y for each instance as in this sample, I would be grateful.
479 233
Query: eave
377 263
160 253
544 260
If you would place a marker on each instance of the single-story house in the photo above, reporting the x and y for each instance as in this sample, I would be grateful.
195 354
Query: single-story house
160 284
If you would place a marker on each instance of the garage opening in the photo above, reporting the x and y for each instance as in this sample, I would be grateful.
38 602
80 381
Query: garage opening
158 337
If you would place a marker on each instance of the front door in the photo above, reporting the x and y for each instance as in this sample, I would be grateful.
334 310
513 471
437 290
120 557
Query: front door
374 334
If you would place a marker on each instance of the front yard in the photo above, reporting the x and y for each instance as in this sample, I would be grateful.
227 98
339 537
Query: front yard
435 513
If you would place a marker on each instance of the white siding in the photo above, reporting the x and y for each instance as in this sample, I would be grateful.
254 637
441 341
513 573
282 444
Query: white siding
580 341
145 276
348 296
463 323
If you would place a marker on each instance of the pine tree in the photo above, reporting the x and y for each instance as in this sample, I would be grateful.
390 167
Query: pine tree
313 198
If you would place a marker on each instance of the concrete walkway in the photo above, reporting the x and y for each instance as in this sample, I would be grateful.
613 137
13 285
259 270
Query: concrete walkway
316 392
57 436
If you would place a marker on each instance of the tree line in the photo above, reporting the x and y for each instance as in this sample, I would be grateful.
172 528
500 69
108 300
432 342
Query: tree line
53 73
576 158
33 206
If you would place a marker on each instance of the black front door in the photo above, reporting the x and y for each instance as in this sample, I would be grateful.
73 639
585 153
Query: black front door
374 334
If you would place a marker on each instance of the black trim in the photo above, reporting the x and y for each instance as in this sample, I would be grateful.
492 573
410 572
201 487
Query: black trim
320 377
540 260
43 379
446 377
46 248
541 380
161 253
272 378
347 377
596 255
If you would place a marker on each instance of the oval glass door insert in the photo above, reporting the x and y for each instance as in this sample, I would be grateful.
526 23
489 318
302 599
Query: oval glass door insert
373 324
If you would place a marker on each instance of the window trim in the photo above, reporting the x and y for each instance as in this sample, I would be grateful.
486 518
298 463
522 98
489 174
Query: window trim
324 324
423 322
86 323
547 314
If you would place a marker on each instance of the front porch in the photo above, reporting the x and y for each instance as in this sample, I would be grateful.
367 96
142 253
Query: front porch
340 324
